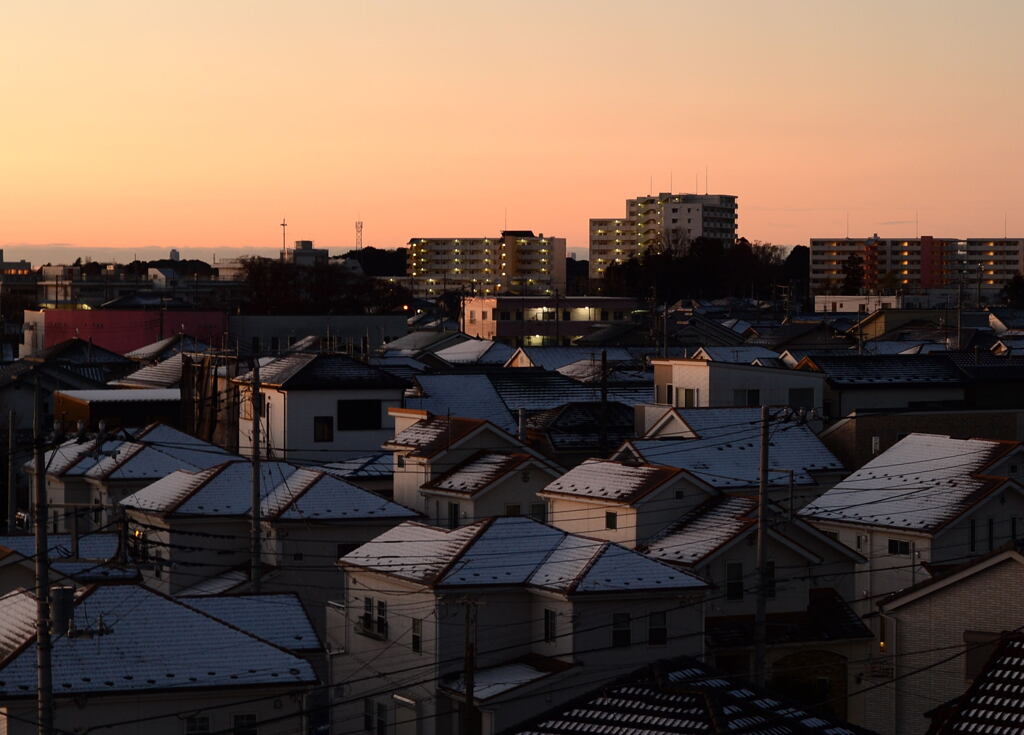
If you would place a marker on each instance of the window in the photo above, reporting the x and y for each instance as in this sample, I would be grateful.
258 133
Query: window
400 461
374 620
550 626
197 725
979 648
902 548
669 394
876 444
297 556
566 316
621 634
746 397
453 515
96 510
734 581
244 725
657 629
506 315
801 398
417 635
539 512
512 509
611 520
472 317
483 316
323 428
358 414
689 397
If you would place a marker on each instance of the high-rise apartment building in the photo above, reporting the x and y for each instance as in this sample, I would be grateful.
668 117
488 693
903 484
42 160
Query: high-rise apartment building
517 262
670 221
919 263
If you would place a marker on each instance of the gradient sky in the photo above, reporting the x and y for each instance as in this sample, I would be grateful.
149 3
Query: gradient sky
200 123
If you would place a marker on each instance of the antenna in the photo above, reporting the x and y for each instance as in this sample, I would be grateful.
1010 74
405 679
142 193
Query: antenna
284 236
705 179
696 180
1004 225
359 234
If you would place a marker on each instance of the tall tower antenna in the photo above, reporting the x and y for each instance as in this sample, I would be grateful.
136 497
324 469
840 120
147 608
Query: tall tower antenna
359 234
284 236
705 179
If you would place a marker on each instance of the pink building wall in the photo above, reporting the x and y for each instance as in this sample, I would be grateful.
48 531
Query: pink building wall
125 330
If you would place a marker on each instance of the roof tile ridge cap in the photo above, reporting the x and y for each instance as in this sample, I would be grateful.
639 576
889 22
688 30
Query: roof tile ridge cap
432 482
316 476
667 473
213 472
440 574
92 443
119 461
28 641
588 565
243 631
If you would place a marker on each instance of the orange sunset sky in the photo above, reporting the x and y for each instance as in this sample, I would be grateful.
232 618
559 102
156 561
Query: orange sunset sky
200 123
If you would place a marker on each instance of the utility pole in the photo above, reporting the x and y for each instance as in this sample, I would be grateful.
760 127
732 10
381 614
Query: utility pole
44 663
12 488
603 441
254 512
470 724
760 614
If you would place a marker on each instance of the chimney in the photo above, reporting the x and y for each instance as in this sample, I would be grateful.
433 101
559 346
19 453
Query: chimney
62 609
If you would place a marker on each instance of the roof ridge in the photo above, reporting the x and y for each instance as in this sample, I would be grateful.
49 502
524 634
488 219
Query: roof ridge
461 551
214 472
589 564
318 475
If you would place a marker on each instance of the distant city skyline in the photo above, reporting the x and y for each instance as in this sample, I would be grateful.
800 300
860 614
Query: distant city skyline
201 125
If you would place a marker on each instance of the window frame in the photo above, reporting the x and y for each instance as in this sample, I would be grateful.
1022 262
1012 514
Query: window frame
734 587
611 520
359 404
550 625
319 422
622 630
657 634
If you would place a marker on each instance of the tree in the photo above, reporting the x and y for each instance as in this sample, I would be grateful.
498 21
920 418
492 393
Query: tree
853 275
1013 292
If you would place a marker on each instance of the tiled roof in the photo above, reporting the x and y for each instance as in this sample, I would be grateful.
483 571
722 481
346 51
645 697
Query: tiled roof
429 436
123 395
463 395
372 466
288 493
164 374
607 480
167 348
577 426
492 681
553 358
680 697
277 618
703 530
477 352
994 703
304 371
920 483
888 370
744 354
514 551
477 472
143 641
726 453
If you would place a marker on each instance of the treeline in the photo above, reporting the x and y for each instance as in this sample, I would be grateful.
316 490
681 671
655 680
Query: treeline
710 269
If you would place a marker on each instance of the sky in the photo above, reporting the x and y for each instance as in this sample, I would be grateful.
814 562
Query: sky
201 125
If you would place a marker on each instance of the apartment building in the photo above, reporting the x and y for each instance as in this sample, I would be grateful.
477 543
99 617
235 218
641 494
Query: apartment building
536 321
665 220
518 261
917 263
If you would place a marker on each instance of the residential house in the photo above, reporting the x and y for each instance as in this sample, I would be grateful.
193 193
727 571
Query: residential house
318 408
552 615
476 352
193 526
574 432
456 470
117 408
935 639
693 383
928 501
128 658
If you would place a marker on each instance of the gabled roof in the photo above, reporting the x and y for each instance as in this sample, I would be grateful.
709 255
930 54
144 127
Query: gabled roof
166 348
680 697
704 530
77 351
553 358
738 353
994 703
433 434
164 374
513 551
479 471
287 493
140 641
379 465
919 484
93 563
726 451
304 371
476 352
606 480
876 370
276 618
416 343
577 426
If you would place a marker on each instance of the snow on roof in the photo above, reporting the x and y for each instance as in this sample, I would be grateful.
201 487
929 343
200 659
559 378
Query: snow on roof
216 585
703 530
288 492
462 395
608 480
726 452
552 358
494 680
478 471
122 395
277 618
513 551
141 640
430 435
379 465
163 374
921 482
17 620
744 354
476 351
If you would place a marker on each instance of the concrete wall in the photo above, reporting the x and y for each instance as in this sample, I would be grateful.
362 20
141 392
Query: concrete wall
243 330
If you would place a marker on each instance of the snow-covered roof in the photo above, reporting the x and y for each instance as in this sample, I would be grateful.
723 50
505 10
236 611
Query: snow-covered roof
431 434
513 551
277 618
164 374
552 358
143 641
704 529
920 483
476 352
372 466
462 395
478 472
288 493
494 680
607 480
216 585
744 354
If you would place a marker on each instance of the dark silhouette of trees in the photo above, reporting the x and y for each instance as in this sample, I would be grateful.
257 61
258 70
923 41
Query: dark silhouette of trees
853 275
1013 292
380 262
